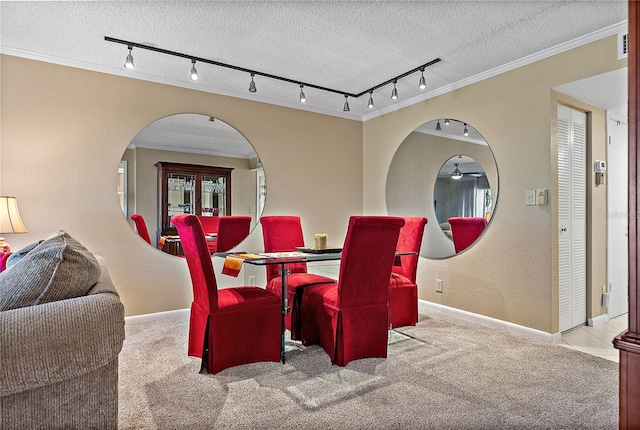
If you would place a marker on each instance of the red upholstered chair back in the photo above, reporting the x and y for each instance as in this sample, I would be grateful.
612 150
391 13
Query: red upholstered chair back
141 227
465 231
367 257
196 252
410 240
3 261
231 231
209 223
282 234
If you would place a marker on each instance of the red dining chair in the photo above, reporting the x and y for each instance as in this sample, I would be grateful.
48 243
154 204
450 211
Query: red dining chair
350 319
465 231
283 234
403 290
231 231
3 260
231 326
141 227
209 225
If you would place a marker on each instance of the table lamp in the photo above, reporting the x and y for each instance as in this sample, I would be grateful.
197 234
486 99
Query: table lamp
10 221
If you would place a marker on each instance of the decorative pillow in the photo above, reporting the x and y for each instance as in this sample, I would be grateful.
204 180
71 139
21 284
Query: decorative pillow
58 268
16 256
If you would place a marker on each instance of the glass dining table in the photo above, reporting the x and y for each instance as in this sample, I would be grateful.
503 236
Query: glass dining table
302 255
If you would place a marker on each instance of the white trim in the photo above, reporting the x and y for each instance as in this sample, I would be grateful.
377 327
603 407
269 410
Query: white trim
583 40
424 307
158 315
120 71
599 320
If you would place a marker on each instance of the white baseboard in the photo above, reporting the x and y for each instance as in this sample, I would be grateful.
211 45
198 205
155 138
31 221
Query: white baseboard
599 320
424 307
158 315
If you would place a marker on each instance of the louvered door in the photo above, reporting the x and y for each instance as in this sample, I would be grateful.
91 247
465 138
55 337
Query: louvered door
572 170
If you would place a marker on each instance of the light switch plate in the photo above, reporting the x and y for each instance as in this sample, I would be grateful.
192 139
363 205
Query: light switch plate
530 198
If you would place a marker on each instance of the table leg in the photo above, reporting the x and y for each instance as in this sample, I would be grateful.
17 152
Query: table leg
285 308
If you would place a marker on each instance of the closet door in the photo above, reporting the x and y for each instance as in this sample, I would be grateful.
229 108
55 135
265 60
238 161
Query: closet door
572 170
617 218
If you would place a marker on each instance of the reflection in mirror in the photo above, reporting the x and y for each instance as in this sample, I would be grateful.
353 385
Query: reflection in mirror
462 191
228 178
421 181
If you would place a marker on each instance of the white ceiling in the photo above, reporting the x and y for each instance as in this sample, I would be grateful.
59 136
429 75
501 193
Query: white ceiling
346 45
196 134
608 91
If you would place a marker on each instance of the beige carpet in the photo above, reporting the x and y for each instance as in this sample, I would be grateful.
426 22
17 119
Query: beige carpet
444 373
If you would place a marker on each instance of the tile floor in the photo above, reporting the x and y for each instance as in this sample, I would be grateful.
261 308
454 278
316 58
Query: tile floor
596 340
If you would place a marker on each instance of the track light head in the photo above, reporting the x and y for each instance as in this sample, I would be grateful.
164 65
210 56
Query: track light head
370 104
346 104
303 98
423 83
446 121
194 72
394 92
438 127
252 85
128 63
465 132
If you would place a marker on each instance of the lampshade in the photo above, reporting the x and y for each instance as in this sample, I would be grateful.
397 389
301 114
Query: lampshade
10 221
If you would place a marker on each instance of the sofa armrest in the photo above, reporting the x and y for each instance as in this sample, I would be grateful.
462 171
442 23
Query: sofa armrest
48 343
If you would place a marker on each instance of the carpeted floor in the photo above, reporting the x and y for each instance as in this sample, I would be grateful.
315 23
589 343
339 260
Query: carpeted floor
444 373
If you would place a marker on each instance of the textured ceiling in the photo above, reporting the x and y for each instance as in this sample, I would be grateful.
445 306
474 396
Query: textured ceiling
349 46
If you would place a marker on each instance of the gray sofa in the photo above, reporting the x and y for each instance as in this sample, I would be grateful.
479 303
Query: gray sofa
59 361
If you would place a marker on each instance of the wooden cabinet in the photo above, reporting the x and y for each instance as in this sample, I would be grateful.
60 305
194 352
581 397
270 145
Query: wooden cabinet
193 189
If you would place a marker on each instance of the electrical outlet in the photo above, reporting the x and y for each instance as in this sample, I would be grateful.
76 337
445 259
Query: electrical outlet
439 285
251 280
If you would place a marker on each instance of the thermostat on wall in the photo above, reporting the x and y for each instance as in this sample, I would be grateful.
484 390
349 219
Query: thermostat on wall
541 196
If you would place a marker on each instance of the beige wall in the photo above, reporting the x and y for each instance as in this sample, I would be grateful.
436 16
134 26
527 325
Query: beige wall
510 274
64 131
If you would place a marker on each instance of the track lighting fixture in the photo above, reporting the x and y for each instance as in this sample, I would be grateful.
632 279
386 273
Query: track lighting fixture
456 174
447 122
128 63
370 104
394 93
252 85
303 98
253 73
346 104
423 83
194 72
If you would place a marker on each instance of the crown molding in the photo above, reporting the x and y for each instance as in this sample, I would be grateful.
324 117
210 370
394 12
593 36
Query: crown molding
133 74
118 71
563 47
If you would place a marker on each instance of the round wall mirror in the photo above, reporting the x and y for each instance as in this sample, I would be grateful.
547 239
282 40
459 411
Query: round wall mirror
189 163
444 170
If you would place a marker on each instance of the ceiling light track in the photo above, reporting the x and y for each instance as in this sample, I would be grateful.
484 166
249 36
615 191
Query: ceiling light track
253 73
